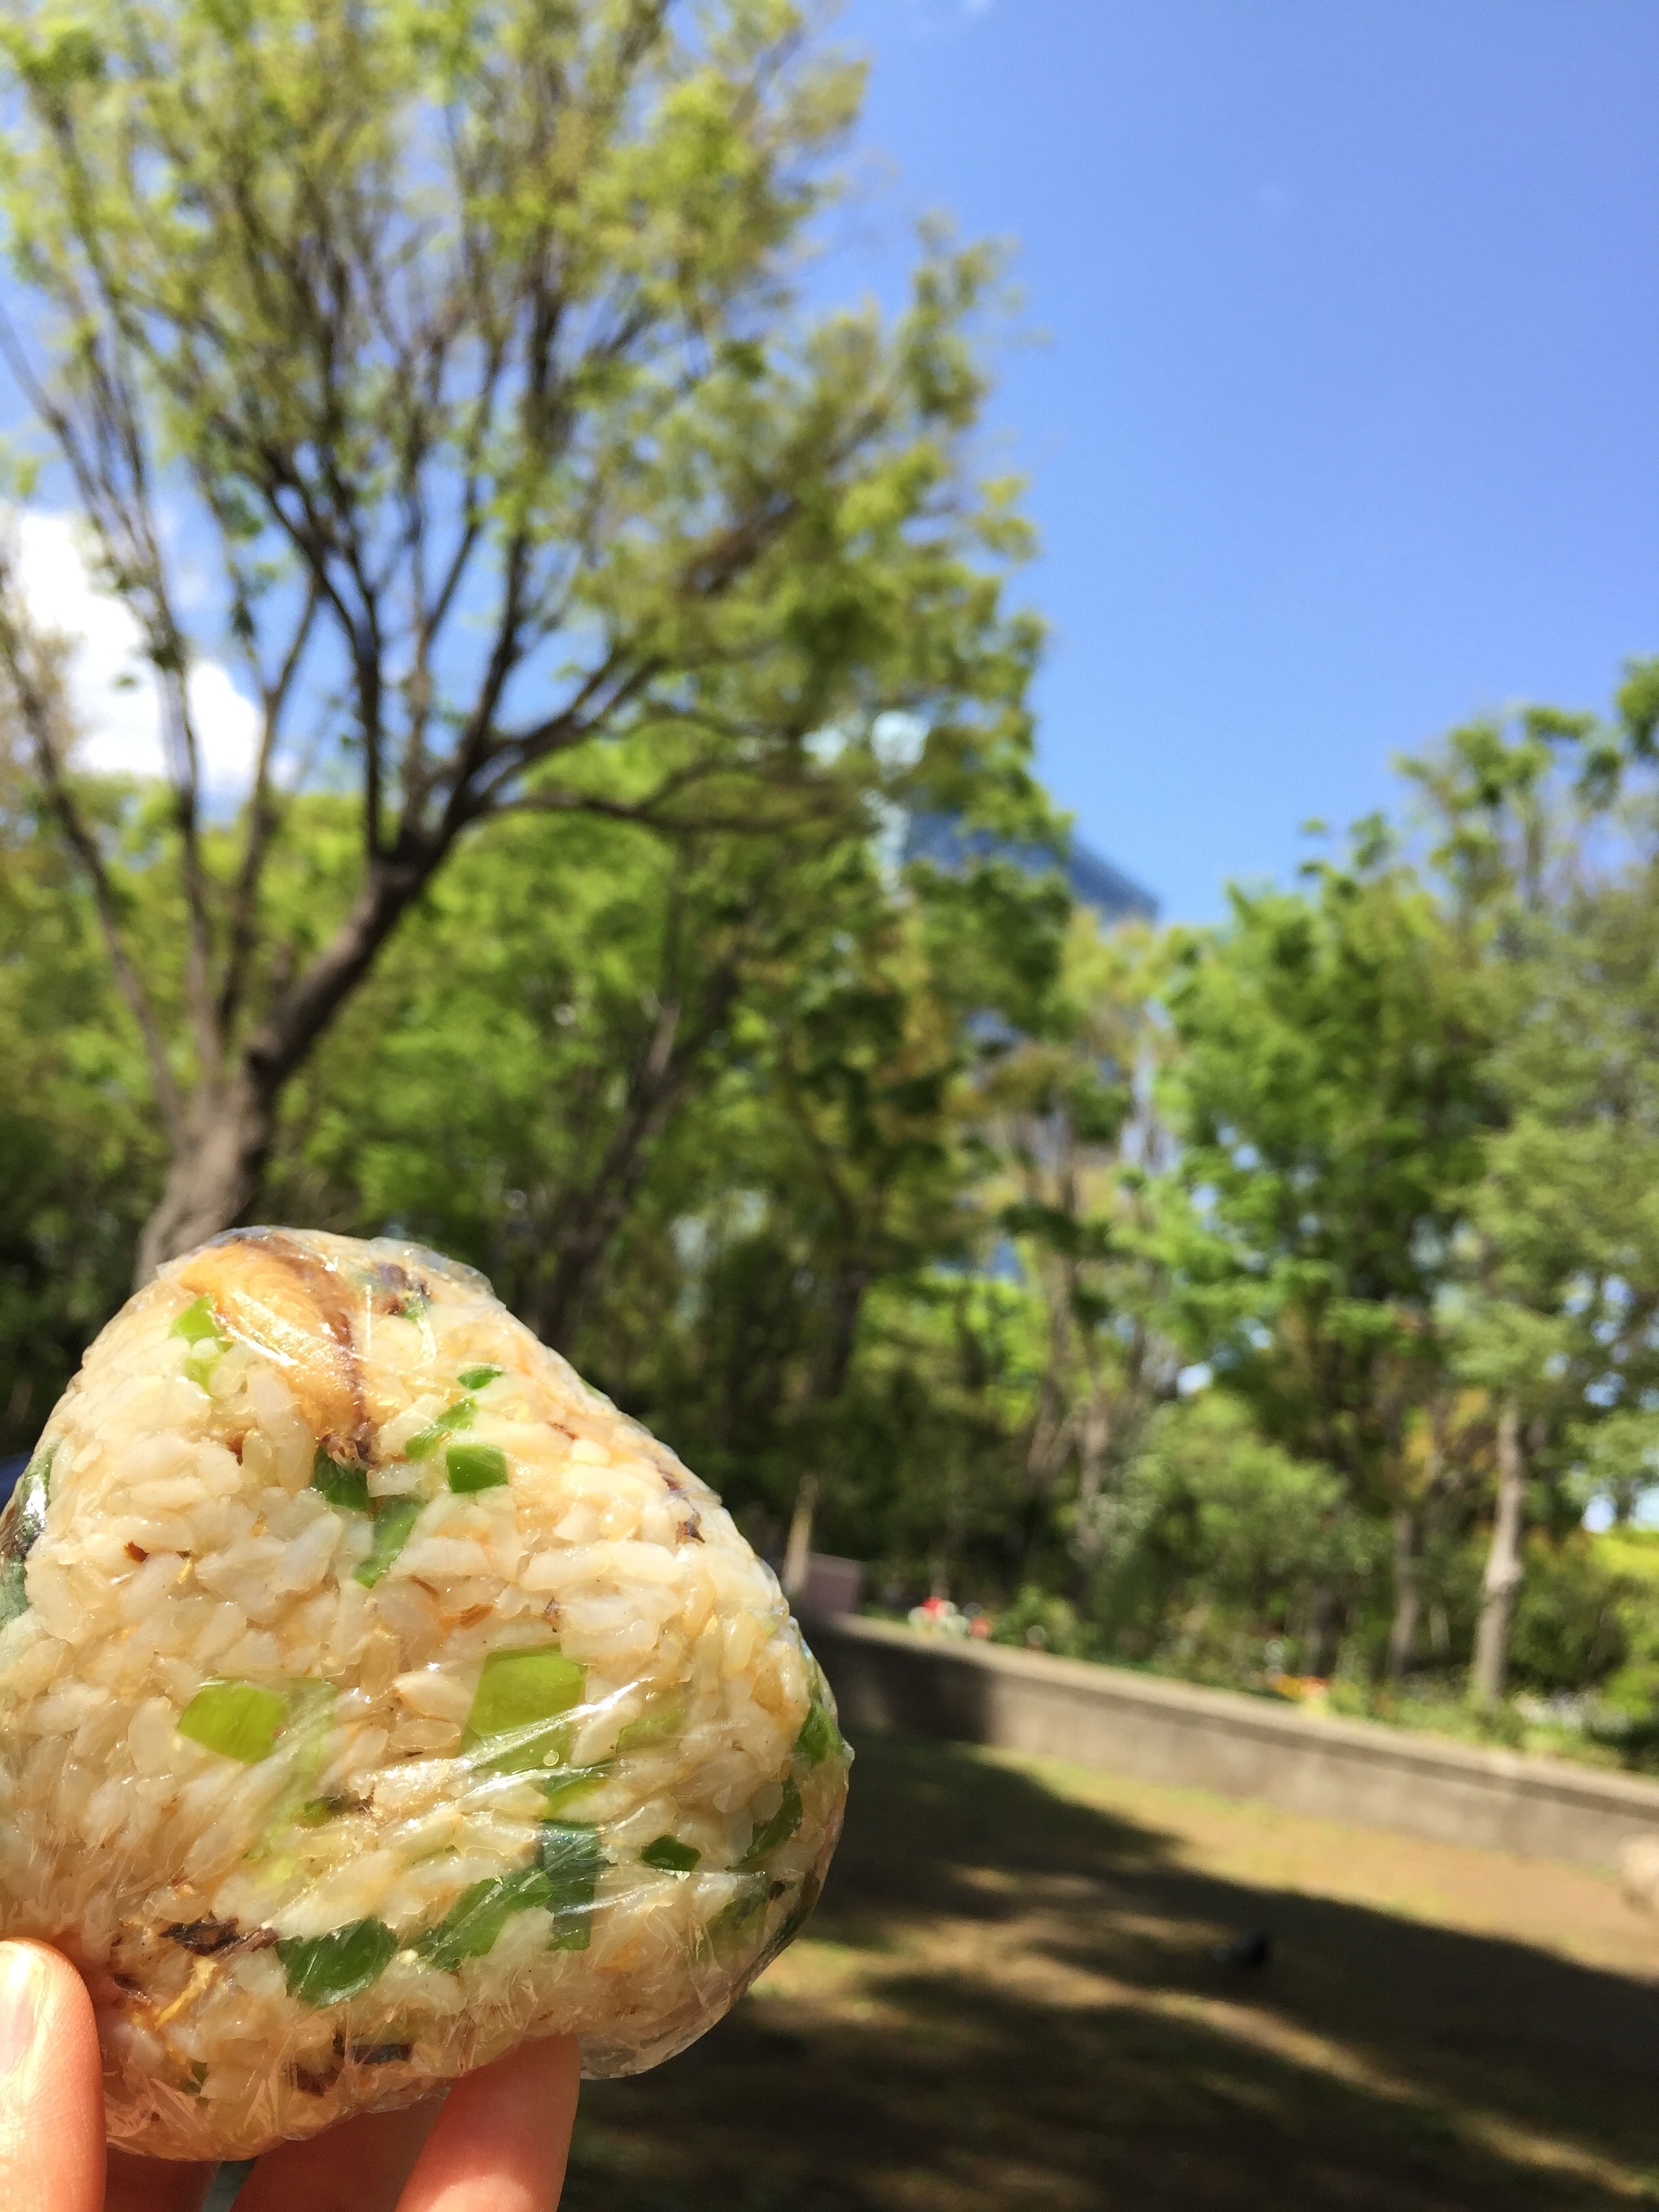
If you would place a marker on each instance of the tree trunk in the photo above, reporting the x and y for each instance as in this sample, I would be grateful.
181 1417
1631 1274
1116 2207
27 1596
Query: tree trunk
846 1310
1322 1621
1407 1591
1411 1523
591 1217
215 1177
798 1553
1501 1584
658 1087
842 1337
1094 1435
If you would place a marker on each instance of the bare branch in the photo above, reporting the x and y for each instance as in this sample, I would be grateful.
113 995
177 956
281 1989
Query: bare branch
111 466
653 813
36 691
262 817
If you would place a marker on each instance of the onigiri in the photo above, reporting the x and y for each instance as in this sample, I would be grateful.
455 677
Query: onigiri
373 1695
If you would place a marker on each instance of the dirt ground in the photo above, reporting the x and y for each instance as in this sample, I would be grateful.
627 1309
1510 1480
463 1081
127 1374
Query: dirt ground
1008 1999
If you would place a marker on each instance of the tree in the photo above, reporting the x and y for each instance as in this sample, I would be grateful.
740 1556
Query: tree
1068 1113
1546 844
458 337
762 1068
1328 1098
74 1140
503 1083
1215 1539
877 1038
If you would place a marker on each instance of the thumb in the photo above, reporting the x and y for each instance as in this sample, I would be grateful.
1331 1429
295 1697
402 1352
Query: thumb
52 2090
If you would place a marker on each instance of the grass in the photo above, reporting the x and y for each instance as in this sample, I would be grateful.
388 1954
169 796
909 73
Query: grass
1008 2000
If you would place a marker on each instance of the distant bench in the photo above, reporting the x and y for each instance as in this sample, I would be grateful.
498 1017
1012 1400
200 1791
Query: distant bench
1363 1773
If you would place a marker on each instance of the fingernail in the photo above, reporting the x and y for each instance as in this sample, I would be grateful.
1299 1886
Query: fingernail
23 1979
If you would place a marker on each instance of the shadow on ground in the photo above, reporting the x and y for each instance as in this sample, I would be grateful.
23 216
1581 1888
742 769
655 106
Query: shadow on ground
1009 2001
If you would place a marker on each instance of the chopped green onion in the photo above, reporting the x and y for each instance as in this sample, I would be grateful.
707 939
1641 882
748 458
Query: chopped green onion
469 1929
23 1523
775 1831
476 1378
521 1696
238 1719
426 1441
304 1744
570 1858
198 1323
33 1492
316 1812
799 1913
654 1727
344 1487
326 1969
733 1922
570 1782
818 1735
669 1855
476 1467
392 1523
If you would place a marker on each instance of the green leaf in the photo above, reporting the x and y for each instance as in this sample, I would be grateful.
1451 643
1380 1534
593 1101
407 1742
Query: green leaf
393 1519
326 1969
460 1415
71 56
475 1378
776 1832
344 1487
518 1702
669 1855
240 1720
476 1467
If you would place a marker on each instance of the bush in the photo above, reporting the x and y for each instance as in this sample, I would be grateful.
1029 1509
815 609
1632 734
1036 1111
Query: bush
1040 1621
1569 1630
1215 1541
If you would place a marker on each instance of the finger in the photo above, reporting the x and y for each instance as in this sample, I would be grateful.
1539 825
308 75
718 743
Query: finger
156 2184
51 2085
502 2143
359 2167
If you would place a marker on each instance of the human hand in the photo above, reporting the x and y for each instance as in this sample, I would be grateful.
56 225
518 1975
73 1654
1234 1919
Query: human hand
497 2143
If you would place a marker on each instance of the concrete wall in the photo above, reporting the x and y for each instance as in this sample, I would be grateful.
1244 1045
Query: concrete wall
1358 1772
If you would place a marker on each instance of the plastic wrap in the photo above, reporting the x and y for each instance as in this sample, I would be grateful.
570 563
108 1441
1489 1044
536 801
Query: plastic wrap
373 1695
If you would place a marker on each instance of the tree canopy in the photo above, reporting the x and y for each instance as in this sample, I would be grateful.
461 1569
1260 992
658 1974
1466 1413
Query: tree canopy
459 340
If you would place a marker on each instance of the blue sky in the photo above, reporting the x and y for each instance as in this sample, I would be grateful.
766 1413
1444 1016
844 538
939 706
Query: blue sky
1343 423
